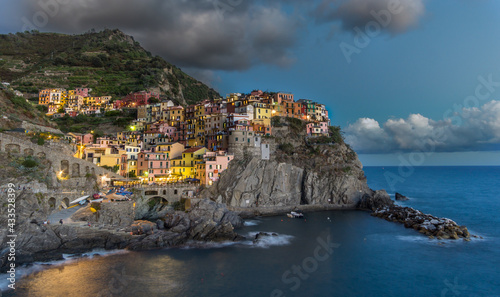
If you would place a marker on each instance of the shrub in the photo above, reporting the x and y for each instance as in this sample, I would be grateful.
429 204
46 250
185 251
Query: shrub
336 134
42 108
20 102
295 124
276 121
321 140
286 148
178 205
30 163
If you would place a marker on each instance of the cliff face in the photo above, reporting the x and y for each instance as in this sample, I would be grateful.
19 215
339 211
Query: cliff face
298 173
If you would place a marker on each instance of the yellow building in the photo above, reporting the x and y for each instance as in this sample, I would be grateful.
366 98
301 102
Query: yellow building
185 165
54 96
173 149
132 166
110 160
175 115
276 110
262 111
90 100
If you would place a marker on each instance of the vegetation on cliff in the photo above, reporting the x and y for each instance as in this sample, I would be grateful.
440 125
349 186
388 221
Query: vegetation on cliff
15 109
109 62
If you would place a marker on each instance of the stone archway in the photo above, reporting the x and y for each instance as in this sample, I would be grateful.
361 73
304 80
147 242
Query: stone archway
87 170
52 202
28 152
75 170
65 201
13 148
64 168
157 203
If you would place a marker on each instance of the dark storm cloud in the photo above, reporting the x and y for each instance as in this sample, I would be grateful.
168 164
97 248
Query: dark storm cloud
394 16
206 34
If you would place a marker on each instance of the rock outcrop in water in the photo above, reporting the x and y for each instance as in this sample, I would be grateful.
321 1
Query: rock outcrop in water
434 227
401 197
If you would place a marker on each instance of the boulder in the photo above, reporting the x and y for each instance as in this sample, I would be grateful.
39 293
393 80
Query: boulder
376 200
143 227
400 197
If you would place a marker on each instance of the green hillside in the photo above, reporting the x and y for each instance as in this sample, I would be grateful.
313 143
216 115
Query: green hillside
109 62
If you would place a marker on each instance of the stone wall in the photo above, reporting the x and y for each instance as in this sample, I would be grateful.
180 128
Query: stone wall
62 163
171 193
37 128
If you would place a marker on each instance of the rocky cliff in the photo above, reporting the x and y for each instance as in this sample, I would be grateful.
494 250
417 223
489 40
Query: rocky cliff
301 173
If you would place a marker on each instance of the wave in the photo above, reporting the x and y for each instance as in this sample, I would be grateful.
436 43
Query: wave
268 241
93 253
190 245
36 267
251 223
444 242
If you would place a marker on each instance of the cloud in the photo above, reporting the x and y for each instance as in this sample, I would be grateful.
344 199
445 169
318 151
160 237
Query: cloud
393 18
478 129
208 77
205 34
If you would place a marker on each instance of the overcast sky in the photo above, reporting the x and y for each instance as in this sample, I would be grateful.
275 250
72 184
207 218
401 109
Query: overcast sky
400 77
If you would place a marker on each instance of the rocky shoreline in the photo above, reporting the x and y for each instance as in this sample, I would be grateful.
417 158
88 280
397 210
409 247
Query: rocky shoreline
207 221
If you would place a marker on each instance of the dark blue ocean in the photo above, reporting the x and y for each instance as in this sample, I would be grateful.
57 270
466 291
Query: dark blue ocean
342 253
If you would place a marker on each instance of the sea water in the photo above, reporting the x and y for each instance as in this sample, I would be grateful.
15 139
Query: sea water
338 253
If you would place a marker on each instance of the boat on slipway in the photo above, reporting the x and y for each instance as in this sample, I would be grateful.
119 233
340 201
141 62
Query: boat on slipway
294 214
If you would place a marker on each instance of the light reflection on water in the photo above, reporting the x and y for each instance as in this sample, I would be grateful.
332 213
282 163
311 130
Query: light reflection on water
106 276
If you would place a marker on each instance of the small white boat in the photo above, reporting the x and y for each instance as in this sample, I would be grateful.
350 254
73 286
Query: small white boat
79 199
294 214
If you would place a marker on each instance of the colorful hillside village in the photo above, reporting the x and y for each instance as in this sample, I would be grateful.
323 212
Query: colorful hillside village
61 102
169 143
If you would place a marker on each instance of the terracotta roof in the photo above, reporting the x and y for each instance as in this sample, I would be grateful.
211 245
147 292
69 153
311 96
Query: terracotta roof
193 149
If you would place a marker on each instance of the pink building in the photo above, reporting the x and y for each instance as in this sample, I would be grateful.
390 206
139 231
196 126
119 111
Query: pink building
84 92
257 93
88 138
316 129
166 129
213 165
82 138
212 108
153 165
135 99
